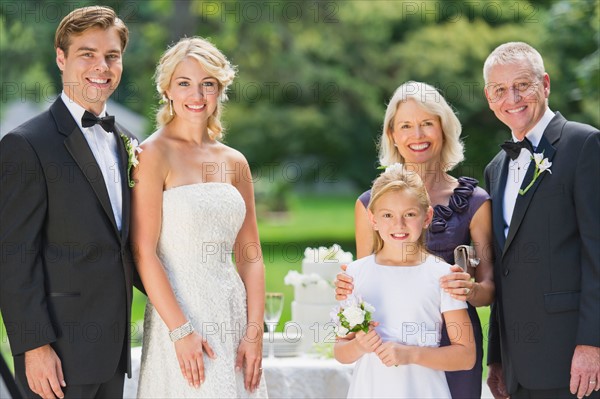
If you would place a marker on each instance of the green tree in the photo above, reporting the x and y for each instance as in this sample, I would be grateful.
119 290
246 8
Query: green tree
572 43
315 76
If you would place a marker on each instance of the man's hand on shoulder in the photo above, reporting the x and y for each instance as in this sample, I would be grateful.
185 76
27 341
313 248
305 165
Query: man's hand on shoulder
44 373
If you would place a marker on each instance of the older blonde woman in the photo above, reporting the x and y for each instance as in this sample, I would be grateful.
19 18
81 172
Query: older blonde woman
193 207
422 132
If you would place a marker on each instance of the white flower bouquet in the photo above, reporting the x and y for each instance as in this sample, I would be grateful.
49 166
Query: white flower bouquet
352 315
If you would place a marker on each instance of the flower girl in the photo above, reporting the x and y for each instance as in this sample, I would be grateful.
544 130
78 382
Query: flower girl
401 281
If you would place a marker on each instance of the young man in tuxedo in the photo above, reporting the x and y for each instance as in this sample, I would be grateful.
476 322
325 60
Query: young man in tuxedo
545 323
67 269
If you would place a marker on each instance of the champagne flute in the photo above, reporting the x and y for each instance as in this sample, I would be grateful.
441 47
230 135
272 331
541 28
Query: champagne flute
273 309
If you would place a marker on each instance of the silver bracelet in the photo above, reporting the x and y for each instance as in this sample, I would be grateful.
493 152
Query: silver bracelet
182 331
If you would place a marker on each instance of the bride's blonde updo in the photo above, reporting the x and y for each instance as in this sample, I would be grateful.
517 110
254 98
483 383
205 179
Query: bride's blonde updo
211 60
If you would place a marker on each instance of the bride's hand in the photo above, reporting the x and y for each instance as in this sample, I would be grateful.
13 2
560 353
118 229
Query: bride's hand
249 359
190 351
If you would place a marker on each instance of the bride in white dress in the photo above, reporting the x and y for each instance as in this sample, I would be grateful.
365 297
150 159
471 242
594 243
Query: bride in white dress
193 207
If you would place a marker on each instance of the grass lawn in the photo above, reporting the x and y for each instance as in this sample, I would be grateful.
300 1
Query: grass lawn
313 222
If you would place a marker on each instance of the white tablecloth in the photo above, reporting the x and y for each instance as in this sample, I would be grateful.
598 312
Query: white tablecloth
289 377
305 377
286 377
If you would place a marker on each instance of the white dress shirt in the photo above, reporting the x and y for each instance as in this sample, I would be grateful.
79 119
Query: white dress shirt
518 167
105 150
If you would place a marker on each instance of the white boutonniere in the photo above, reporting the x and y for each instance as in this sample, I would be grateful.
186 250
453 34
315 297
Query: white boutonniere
541 165
132 148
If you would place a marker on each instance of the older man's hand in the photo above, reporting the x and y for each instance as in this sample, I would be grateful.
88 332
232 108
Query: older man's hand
585 370
495 381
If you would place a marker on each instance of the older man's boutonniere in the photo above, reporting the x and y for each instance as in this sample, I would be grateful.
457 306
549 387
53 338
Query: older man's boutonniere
132 148
541 165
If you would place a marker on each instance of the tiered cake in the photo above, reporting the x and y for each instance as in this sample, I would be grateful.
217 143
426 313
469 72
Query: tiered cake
314 293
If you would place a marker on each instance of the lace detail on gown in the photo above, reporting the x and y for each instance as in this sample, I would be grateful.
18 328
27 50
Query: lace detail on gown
200 223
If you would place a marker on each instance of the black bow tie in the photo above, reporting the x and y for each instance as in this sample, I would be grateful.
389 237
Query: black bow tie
107 122
514 149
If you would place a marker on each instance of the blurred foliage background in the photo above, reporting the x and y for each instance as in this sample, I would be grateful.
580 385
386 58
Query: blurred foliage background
315 76
314 79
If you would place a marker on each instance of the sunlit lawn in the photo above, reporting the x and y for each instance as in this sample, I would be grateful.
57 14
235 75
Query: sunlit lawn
312 222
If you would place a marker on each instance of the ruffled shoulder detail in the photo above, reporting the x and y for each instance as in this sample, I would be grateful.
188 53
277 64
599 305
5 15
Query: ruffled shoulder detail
459 202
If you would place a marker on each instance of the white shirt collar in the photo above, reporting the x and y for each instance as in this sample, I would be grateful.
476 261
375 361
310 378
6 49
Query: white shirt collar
77 110
535 134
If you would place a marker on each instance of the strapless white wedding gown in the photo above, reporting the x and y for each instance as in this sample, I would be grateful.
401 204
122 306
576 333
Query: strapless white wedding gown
200 223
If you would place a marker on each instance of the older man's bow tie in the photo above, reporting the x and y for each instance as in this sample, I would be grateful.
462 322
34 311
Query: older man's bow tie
514 149
107 122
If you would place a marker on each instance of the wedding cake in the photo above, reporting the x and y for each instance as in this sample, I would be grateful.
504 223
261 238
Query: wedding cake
314 294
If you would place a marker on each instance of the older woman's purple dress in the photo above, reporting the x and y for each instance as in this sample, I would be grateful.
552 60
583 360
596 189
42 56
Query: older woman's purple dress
449 229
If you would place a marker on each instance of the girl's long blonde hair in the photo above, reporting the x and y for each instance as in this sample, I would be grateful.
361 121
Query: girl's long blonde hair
397 178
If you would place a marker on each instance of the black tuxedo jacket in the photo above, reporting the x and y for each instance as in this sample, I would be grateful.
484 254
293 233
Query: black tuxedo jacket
547 270
66 269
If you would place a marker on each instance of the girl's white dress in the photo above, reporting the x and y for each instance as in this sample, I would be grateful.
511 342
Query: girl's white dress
409 304
200 223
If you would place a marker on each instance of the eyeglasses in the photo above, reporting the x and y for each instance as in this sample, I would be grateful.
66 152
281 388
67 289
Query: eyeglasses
497 92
